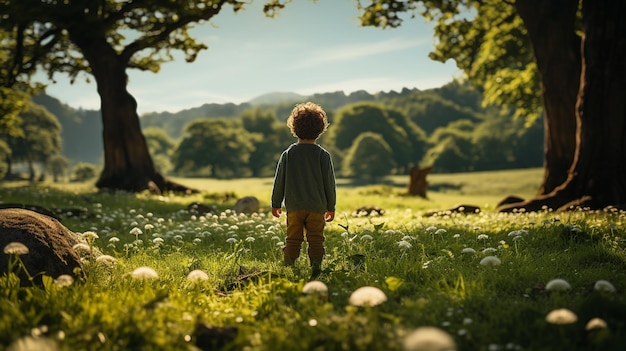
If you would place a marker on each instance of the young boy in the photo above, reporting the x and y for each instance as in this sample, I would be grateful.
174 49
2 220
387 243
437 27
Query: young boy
305 180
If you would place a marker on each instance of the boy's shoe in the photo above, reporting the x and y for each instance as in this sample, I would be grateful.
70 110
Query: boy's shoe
315 272
289 261
316 267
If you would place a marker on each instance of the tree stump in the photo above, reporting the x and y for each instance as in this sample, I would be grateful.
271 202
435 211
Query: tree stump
417 181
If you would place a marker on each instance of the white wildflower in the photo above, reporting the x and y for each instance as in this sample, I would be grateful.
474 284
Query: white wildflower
144 273
197 275
315 287
561 316
90 236
106 260
429 339
490 261
64 280
468 250
596 323
367 296
404 244
604 285
558 285
15 248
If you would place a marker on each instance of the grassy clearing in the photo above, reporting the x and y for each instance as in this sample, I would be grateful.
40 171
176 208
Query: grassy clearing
433 271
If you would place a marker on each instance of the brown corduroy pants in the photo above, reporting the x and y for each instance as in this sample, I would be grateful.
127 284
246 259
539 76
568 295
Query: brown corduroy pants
303 224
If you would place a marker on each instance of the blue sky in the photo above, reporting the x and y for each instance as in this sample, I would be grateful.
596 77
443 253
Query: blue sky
309 48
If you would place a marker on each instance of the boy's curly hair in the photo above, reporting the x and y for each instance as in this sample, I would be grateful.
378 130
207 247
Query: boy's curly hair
307 121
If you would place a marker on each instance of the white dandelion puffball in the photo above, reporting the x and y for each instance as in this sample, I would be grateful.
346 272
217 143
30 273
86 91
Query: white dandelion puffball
144 273
596 323
15 248
367 296
490 261
558 285
561 316
429 339
315 287
197 275
604 285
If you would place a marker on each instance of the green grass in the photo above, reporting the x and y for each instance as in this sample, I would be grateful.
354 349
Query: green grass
254 303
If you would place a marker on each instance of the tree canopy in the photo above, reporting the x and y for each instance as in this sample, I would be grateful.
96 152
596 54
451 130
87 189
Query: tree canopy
569 53
100 40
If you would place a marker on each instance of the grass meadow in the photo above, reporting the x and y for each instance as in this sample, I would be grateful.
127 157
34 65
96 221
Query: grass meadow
171 280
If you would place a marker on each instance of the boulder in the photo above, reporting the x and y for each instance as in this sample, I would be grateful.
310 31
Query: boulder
247 204
50 244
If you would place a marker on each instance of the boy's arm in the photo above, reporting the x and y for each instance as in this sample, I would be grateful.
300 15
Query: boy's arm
276 211
278 189
328 216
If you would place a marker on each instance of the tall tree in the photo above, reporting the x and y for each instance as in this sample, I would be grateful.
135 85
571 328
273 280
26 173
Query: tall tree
369 157
213 147
104 39
269 137
352 120
523 50
39 140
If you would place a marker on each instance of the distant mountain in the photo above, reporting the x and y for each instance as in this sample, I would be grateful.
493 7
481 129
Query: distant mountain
277 98
82 129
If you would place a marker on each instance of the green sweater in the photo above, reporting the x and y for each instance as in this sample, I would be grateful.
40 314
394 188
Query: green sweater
305 179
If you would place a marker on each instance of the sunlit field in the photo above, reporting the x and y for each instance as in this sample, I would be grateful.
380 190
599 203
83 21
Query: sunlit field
168 279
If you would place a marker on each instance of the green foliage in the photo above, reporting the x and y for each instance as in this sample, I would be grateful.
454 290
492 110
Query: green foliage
269 137
452 107
421 263
214 147
12 103
369 157
83 172
352 120
486 39
161 148
58 166
40 137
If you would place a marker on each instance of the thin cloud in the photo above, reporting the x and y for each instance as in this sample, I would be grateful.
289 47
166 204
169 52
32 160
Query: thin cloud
356 51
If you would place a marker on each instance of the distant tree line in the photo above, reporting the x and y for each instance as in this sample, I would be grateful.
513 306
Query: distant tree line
370 136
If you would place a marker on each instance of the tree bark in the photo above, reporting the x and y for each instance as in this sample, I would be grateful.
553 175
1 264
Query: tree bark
128 165
597 177
551 29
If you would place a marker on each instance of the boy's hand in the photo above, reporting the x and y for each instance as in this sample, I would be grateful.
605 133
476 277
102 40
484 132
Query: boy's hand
329 216
276 211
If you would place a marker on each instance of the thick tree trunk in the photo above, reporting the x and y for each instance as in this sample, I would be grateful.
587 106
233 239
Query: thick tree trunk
551 29
597 178
128 165
599 171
